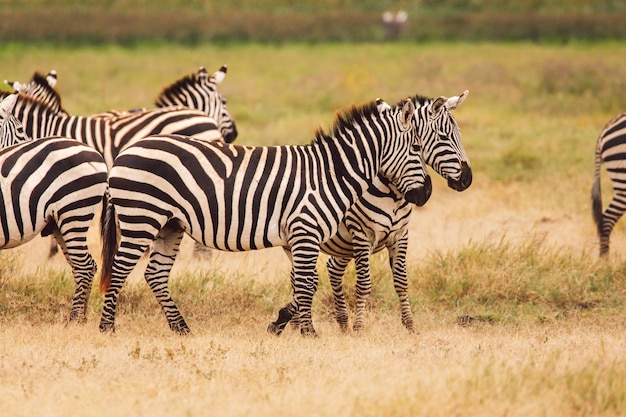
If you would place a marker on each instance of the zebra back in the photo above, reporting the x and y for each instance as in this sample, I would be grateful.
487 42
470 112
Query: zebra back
200 91
11 129
109 135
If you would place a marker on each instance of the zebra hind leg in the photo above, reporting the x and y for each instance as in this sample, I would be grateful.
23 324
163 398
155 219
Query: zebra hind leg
611 215
164 251
83 268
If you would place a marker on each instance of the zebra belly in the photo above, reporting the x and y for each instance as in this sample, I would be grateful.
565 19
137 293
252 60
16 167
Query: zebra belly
379 217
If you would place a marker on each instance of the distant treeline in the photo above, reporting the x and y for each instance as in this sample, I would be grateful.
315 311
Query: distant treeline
195 21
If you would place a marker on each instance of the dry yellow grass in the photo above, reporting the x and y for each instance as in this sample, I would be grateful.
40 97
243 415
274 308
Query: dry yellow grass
532 156
229 366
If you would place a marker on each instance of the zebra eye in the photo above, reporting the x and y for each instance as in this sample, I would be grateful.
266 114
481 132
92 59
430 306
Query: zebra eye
416 147
442 136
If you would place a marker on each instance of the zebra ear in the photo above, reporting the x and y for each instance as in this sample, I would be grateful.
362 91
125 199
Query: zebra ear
382 104
202 74
16 85
437 105
454 102
51 78
408 110
219 76
6 106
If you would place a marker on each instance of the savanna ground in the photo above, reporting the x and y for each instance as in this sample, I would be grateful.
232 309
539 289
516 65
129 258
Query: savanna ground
516 314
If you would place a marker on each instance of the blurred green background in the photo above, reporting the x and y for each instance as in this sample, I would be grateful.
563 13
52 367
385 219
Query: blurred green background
197 21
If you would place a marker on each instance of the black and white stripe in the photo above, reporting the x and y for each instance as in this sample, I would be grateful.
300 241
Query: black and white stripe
238 198
53 186
109 135
199 91
380 218
610 150
42 88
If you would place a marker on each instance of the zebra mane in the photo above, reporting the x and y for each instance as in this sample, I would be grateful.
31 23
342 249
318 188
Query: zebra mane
418 100
41 81
346 118
180 85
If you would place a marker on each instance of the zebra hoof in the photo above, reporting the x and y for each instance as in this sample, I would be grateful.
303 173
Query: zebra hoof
275 329
308 331
180 328
107 327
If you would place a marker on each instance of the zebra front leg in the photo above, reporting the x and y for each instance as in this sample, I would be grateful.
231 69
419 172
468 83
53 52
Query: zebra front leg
397 261
362 255
82 264
336 270
304 285
164 251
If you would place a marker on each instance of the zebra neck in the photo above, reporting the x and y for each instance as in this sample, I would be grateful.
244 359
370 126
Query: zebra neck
349 172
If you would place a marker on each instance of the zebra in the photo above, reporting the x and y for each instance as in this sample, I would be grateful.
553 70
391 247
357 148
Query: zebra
109 135
610 150
200 92
52 185
42 88
197 91
239 198
380 218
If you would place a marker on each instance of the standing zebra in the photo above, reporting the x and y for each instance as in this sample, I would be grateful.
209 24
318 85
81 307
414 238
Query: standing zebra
610 149
52 186
109 135
238 198
196 91
380 218
42 88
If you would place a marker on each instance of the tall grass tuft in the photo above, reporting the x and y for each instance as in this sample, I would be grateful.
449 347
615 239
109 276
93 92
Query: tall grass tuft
512 282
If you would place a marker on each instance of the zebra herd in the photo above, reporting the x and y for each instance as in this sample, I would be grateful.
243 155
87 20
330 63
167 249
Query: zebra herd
172 170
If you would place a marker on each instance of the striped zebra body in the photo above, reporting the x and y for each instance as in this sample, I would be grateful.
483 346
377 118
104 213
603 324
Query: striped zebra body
380 218
610 150
197 91
53 186
110 135
238 198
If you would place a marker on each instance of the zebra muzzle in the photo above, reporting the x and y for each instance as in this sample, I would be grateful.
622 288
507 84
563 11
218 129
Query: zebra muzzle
419 196
464 181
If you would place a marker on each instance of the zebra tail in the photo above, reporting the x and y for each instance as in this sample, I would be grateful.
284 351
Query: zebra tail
596 191
108 235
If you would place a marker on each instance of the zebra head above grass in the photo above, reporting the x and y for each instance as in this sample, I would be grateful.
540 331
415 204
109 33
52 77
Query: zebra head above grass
199 91
239 198
41 88
442 139
11 129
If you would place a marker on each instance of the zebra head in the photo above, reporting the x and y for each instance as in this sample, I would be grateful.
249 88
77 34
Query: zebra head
442 139
200 92
11 129
41 88
402 160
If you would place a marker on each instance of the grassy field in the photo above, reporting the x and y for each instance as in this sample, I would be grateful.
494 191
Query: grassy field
517 316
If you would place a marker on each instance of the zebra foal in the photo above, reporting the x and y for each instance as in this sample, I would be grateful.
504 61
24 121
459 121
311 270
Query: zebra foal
610 150
238 198
52 186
